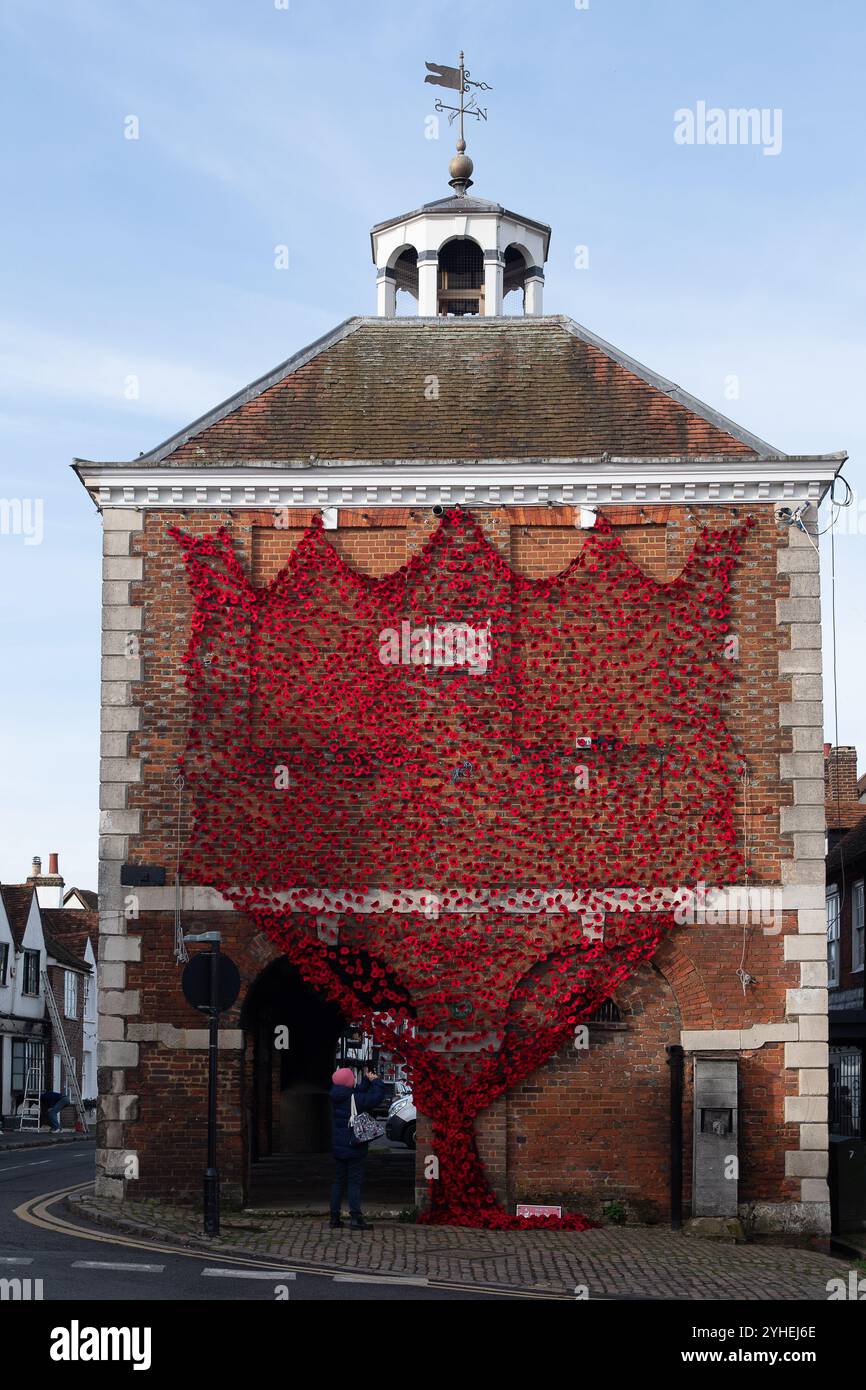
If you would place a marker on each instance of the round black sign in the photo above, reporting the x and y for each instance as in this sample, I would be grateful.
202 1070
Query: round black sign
196 982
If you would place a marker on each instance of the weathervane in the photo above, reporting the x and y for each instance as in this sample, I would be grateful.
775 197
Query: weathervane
439 75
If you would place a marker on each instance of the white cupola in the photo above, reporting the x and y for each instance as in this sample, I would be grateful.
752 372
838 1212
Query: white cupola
459 255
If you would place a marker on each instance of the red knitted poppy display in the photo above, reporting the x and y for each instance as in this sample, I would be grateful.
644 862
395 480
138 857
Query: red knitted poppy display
463 802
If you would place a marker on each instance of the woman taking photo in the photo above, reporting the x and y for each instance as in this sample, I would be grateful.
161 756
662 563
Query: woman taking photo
350 1155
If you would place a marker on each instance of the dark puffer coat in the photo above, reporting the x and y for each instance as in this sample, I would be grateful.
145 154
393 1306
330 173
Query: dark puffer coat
367 1095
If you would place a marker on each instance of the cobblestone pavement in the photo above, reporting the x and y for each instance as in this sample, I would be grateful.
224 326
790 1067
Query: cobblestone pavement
643 1262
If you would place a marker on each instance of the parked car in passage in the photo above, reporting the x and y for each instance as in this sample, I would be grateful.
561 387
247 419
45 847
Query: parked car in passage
400 1124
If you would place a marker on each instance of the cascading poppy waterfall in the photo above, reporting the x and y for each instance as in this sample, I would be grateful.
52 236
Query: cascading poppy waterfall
465 803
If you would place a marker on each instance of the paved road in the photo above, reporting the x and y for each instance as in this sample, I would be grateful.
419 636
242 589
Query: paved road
100 1265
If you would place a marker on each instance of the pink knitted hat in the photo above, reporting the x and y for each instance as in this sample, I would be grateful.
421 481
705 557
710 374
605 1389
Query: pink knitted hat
344 1076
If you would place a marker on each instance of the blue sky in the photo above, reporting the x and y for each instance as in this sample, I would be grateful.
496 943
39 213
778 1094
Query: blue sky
261 125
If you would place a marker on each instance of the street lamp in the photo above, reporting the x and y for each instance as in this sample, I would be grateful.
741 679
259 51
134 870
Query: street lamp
211 1176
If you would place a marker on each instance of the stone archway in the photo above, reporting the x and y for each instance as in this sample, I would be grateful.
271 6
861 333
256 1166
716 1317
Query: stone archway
291 1036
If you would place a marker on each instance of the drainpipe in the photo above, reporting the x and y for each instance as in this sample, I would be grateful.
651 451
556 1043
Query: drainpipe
675 1062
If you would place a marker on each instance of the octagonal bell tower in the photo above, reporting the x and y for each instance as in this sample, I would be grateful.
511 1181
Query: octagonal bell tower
460 255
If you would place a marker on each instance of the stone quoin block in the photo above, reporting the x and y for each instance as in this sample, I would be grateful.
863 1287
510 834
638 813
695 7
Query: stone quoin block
814 973
814 1136
801 818
812 921
810 765
805 1109
803 947
112 796
113 847
805 635
807 689
120 719
803 872
113 1160
814 1027
120 770
122 616
808 791
798 610
806 1163
115 745
115 593
814 1190
116 693
807 740
120 822
120 948
806 1001
808 845
796 560
116 542
801 661
122 519
125 568
801 713
117 1054
121 668
809 1054
120 1002
805 585
814 1082
111 1029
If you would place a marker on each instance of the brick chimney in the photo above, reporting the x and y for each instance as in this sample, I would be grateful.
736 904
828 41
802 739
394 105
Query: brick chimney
49 887
842 806
840 773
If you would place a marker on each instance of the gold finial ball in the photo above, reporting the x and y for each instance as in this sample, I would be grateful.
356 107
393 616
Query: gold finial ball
461 165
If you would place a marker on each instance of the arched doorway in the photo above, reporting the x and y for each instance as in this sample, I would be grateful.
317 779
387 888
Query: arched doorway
293 1039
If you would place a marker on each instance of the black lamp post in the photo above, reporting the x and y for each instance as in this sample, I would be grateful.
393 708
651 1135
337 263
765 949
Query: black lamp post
211 1176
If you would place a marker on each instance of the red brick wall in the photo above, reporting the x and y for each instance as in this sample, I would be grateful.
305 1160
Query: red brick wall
169 1133
586 1126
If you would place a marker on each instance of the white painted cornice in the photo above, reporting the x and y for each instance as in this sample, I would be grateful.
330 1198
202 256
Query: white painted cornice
480 482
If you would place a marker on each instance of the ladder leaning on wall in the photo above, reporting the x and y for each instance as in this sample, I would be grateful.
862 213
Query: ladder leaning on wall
73 1089
30 1114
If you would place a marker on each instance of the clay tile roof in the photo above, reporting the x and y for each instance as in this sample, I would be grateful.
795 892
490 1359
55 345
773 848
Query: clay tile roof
16 900
519 388
63 950
843 814
71 928
848 850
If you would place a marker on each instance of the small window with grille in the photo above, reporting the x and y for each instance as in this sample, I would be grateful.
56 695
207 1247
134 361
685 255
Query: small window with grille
461 278
607 1013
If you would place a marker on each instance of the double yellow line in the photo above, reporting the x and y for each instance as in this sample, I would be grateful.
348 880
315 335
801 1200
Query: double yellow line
36 1211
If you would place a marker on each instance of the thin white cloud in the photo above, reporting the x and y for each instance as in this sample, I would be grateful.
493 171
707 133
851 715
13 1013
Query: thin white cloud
59 367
